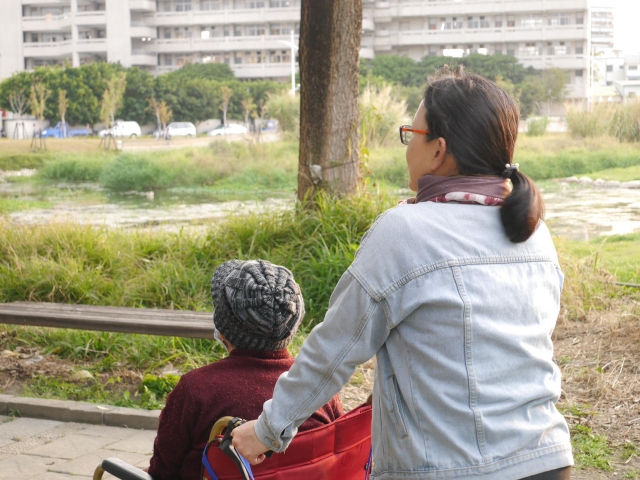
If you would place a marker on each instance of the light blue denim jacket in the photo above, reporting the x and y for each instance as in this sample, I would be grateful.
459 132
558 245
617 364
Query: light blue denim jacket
460 321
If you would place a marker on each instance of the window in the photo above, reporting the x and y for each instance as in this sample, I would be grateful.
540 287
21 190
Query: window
484 22
183 5
280 29
167 33
237 31
237 58
433 24
633 67
532 20
579 19
180 60
553 19
511 21
498 49
511 49
609 68
498 22
565 19
561 49
433 50
280 56
473 22
254 4
457 22
167 60
255 30
182 32
579 50
252 57
280 3
165 6
529 50
227 31
210 5
579 77
404 26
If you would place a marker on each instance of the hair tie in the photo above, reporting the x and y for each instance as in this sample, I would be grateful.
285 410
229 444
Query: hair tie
509 169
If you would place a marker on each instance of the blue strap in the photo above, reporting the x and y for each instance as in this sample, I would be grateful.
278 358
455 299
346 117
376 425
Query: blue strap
207 465
367 470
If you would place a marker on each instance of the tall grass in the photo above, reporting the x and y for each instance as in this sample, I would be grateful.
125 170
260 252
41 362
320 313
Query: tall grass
381 113
536 127
621 121
286 109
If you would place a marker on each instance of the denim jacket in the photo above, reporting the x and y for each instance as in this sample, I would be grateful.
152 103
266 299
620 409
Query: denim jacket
460 321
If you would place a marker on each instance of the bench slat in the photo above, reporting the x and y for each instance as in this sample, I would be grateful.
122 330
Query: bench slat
174 323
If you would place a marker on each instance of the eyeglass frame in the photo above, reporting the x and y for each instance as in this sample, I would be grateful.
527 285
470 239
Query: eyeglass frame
407 128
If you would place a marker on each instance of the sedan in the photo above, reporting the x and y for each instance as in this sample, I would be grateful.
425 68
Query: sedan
231 129
181 129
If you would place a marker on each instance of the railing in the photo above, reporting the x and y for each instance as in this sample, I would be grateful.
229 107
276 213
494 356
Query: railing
261 42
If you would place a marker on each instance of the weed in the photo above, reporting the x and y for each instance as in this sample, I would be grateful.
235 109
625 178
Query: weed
629 450
590 450
536 127
8 205
633 474
578 410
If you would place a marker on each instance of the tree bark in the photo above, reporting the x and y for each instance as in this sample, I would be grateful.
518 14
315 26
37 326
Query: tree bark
330 32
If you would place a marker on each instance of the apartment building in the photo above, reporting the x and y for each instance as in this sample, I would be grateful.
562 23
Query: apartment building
251 35
601 30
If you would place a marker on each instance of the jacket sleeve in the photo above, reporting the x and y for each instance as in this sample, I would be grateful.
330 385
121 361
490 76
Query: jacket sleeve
174 438
353 330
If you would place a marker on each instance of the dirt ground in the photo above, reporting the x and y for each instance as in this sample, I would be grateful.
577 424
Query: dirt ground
599 357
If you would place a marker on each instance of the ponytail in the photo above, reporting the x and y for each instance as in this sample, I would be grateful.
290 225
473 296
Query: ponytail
523 208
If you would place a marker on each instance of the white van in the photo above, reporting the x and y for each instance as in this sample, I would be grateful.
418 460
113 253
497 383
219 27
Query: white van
123 129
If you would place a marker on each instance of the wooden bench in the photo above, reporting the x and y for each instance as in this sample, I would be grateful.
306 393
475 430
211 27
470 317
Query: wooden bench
148 321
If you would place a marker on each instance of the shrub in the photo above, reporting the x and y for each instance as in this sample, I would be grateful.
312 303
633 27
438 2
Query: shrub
286 109
621 121
73 169
381 113
536 127
128 173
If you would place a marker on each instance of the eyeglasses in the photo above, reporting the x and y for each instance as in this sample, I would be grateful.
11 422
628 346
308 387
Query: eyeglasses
406 132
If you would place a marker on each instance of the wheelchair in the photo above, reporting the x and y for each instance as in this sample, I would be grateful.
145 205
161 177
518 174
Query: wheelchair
339 450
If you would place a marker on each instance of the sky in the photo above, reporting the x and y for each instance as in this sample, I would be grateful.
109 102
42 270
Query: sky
626 15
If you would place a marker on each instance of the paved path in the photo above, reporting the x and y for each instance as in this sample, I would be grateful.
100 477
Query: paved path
48 450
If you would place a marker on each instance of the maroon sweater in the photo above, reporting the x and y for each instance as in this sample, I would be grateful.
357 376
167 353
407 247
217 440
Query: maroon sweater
236 386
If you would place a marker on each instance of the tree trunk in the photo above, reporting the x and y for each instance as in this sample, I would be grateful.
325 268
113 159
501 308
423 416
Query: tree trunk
330 32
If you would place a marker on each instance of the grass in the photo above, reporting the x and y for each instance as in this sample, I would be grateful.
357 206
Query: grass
621 174
590 450
8 205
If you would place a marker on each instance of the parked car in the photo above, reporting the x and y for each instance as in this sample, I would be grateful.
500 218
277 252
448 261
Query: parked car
181 129
231 129
64 130
123 129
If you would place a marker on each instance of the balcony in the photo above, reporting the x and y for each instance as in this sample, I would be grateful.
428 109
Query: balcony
368 25
48 49
92 45
222 17
564 62
46 2
475 7
485 35
221 44
262 70
367 53
47 23
91 18
141 30
142 58
142 5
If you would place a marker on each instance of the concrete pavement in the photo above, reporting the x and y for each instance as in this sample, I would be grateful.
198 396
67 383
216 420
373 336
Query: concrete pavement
52 450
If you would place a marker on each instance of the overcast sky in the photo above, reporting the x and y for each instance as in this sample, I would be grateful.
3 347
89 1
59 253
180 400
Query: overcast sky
626 15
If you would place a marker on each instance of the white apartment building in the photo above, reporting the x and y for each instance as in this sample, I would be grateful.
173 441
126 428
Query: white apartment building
249 35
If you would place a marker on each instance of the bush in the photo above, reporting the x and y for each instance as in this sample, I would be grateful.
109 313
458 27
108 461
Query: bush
621 121
536 127
381 113
128 173
73 169
286 109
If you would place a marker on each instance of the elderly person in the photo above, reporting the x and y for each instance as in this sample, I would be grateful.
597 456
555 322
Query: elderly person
258 308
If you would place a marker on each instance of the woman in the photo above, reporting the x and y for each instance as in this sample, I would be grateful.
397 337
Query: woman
456 294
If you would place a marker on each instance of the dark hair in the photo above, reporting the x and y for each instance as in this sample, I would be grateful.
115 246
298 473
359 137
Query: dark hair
479 122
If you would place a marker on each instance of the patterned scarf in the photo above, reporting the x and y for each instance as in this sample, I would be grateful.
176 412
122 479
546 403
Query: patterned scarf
482 190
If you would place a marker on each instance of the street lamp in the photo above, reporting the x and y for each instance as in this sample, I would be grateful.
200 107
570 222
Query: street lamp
294 48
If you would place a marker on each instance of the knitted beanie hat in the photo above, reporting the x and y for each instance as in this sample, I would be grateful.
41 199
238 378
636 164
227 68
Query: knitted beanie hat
258 305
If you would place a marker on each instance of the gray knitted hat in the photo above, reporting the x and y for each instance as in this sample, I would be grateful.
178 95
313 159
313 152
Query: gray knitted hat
258 305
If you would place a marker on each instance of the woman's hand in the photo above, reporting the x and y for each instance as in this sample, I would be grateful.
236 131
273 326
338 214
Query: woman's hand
247 444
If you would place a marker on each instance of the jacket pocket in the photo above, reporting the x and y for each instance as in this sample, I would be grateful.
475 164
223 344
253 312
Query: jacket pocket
396 410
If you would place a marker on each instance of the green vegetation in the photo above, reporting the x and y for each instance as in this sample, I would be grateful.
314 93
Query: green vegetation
537 126
8 205
621 121
629 450
590 450
633 474
114 391
621 174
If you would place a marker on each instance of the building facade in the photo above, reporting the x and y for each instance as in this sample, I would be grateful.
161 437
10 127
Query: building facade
251 35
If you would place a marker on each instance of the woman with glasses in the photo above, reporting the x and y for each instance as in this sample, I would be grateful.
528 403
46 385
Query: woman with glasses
456 292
